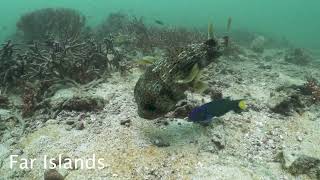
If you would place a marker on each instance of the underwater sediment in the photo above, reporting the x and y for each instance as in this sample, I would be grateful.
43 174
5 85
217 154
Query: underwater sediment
121 92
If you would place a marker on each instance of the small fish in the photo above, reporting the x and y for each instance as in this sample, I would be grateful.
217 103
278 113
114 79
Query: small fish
159 22
205 112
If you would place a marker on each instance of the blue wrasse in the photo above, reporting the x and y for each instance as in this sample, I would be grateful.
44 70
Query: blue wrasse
205 112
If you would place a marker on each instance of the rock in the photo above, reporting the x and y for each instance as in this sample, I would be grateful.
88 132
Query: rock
298 56
182 111
217 140
80 125
289 105
215 94
4 101
4 153
52 121
297 163
125 122
299 138
17 152
53 174
257 45
69 128
70 122
83 102
160 142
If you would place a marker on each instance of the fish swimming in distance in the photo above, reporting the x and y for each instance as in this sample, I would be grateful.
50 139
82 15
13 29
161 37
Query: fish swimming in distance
159 22
217 108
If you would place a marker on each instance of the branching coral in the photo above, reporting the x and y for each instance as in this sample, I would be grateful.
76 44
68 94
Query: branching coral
46 65
8 63
59 51
61 23
71 60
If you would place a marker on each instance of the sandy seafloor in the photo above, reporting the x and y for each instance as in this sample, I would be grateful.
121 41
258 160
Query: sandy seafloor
250 141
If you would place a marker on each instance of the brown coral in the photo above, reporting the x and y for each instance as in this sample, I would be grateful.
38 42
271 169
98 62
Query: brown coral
29 101
311 87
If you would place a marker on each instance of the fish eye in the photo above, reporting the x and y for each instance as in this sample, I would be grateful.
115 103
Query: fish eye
150 107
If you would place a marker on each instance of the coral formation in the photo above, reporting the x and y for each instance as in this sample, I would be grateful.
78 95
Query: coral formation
82 103
258 44
60 23
134 31
312 89
298 56
289 106
4 101
73 93
298 163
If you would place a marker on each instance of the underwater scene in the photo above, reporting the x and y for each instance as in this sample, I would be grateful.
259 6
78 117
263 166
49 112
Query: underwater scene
170 89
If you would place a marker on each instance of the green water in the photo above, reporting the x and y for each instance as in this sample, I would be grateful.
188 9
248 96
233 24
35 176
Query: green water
295 20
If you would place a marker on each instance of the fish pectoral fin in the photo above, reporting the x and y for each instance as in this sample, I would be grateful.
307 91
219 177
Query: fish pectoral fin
200 86
146 60
191 76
